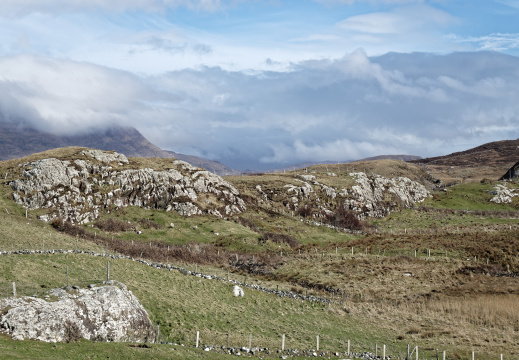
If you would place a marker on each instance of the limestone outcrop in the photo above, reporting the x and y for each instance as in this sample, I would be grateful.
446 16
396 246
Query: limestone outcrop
502 194
108 312
369 196
78 189
377 196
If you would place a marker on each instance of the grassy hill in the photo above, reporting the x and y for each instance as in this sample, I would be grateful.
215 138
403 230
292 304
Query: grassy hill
442 275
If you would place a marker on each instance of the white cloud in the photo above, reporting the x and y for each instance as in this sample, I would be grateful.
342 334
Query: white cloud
400 20
391 2
494 42
25 7
346 108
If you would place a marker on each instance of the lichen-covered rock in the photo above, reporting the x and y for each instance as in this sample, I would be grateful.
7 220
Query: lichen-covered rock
78 190
377 196
371 196
502 194
102 313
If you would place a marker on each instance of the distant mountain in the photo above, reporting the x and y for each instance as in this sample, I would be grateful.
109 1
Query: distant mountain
213 166
392 157
19 140
497 153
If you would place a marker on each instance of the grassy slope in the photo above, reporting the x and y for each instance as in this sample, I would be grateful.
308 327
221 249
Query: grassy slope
379 303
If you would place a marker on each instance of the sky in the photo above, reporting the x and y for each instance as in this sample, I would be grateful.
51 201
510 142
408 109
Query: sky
262 84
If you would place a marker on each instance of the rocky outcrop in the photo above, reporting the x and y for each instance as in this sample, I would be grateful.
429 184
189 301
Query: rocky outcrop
370 196
109 312
511 174
502 194
377 196
78 189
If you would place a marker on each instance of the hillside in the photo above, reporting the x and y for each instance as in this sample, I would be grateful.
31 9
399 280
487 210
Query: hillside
491 161
389 278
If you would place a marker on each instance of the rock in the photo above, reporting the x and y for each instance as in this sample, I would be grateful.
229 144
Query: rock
369 197
238 291
78 191
502 194
101 313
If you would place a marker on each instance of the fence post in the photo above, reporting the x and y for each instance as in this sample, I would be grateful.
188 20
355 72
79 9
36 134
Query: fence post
384 352
197 338
348 347
108 270
317 342
407 357
250 341
228 335
14 289
67 277
283 342
443 354
416 352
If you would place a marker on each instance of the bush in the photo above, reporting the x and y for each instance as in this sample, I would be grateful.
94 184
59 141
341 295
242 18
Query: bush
113 225
280 239
344 218
150 224
305 210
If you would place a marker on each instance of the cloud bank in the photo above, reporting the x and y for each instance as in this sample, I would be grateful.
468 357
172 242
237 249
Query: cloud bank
341 109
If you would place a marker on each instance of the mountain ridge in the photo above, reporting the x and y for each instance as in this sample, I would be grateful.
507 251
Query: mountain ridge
19 140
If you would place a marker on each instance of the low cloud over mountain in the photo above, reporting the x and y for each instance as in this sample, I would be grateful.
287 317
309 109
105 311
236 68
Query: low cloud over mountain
346 108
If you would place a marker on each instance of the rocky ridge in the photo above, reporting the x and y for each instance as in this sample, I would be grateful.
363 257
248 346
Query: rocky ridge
109 312
78 189
370 196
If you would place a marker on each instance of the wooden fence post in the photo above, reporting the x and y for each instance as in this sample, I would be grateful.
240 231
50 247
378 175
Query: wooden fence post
317 342
228 336
250 341
14 289
384 352
197 338
348 347
283 342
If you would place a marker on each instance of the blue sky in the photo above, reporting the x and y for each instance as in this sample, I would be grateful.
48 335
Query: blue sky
265 83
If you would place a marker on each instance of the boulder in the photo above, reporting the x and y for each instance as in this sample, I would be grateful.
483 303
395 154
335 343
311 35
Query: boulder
108 312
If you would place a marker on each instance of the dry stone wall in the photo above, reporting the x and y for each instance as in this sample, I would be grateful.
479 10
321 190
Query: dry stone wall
78 189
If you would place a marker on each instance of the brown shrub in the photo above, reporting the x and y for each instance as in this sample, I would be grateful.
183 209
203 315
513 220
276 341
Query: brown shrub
150 224
280 239
344 218
305 210
113 225
248 223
